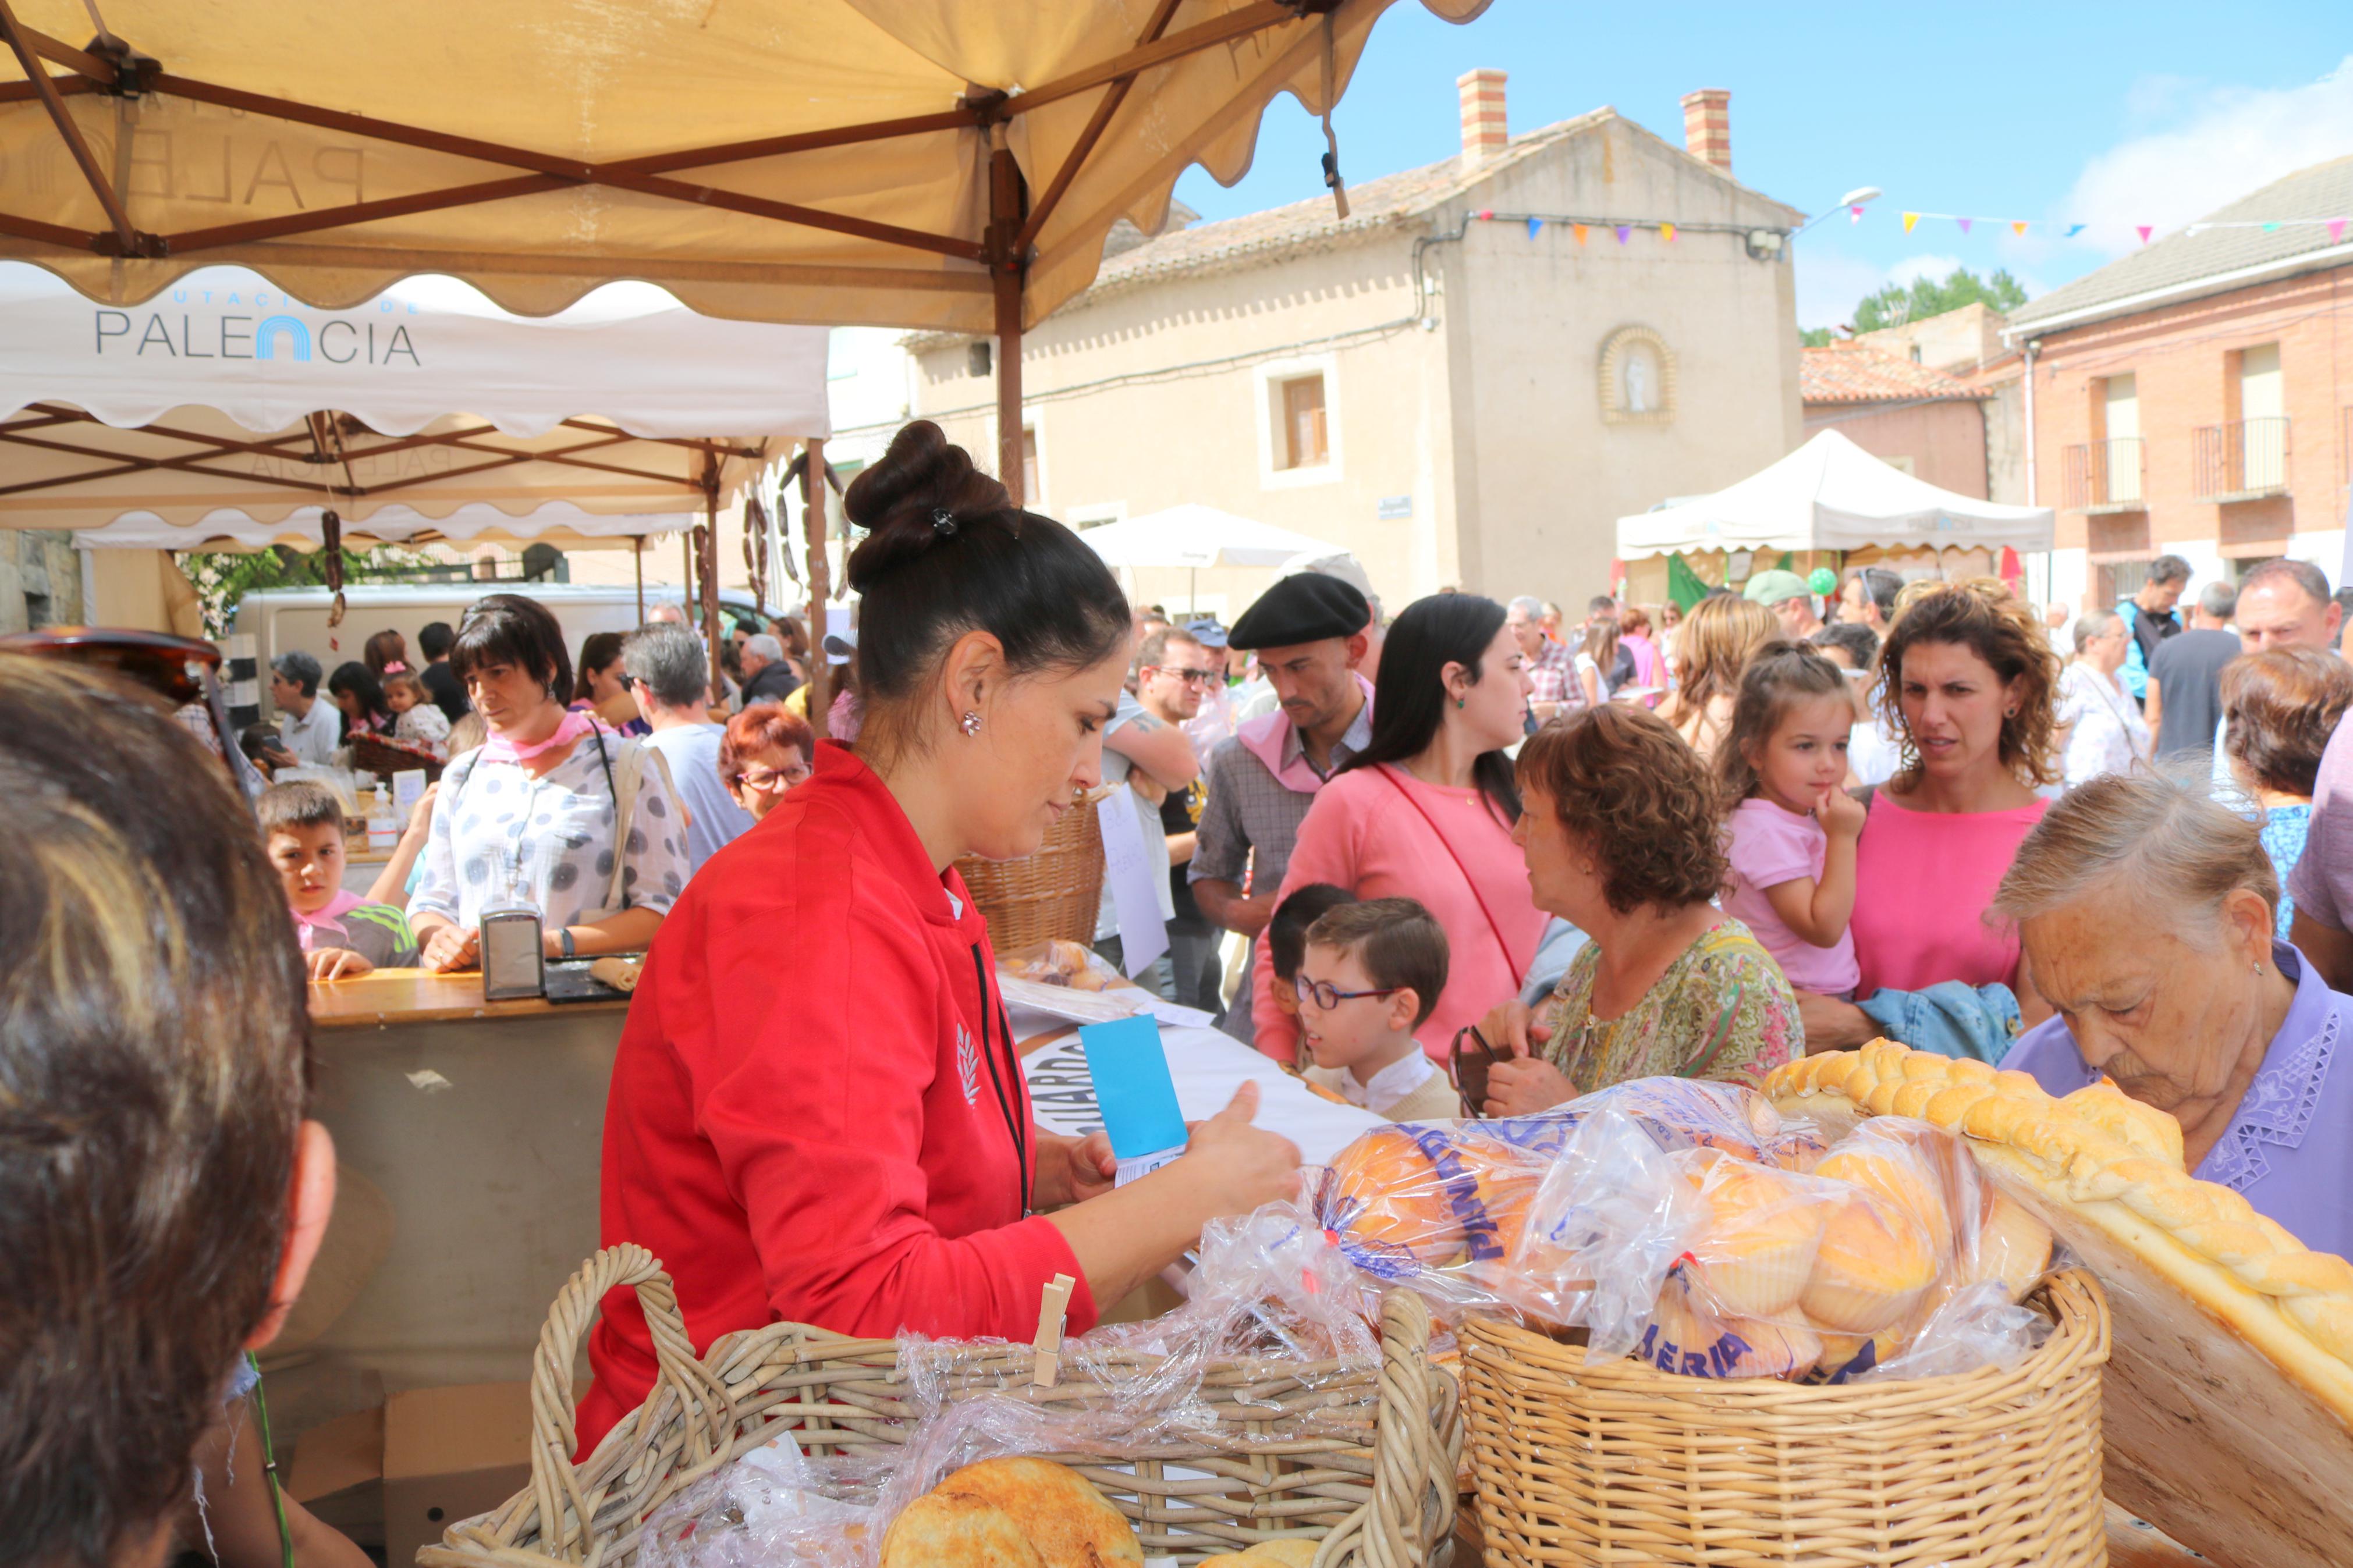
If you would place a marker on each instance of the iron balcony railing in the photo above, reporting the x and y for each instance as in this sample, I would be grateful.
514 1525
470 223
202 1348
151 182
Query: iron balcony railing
2241 460
2106 474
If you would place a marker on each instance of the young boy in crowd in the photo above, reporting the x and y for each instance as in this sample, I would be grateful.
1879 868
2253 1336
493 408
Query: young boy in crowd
1286 936
344 935
1372 975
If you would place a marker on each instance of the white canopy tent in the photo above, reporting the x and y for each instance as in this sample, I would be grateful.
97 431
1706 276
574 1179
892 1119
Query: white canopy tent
1197 536
225 410
1831 494
1193 536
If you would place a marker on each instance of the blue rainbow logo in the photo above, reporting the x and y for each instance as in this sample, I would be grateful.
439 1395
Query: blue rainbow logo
265 337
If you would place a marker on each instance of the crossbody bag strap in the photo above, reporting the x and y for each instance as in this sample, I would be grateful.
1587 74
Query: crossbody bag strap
623 782
1493 926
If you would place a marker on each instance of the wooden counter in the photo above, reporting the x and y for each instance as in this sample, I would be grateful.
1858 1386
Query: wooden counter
468 1134
390 996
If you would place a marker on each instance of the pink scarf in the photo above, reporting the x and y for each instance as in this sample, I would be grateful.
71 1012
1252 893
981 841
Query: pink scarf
577 723
327 918
1263 738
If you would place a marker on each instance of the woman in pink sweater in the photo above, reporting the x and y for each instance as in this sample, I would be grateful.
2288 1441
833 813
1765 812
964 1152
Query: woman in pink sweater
1425 812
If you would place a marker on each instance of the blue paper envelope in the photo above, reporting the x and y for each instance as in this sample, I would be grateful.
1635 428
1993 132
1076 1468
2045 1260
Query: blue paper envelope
1132 1086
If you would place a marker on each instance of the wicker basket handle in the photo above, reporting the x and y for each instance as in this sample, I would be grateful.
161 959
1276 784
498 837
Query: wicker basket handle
1413 1455
565 1530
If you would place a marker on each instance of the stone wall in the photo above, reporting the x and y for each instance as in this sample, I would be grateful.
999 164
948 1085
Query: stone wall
40 580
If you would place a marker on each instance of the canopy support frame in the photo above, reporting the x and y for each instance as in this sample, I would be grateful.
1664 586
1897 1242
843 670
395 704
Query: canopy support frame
20 42
821 584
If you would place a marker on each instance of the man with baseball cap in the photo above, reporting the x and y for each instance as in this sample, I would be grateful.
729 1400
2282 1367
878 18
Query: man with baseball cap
1309 632
1793 603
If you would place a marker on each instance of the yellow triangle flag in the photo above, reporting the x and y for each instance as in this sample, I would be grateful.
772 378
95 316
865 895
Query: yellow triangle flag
1909 219
1667 232
2018 228
1577 229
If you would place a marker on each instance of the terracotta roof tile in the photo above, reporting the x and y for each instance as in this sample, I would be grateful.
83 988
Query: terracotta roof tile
1852 373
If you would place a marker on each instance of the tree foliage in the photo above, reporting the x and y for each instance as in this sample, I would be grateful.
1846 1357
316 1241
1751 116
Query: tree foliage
1897 303
222 578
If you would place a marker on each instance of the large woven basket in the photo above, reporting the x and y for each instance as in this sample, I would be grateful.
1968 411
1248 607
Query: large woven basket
1375 1482
1052 894
1620 1463
382 754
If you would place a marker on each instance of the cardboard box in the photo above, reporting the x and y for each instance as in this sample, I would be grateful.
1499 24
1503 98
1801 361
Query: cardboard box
337 1472
448 1455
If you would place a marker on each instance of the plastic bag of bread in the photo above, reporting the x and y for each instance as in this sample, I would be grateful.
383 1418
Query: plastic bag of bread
1770 1256
1060 962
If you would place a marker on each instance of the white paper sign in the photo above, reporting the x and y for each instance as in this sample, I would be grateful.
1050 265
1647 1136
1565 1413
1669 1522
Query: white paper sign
408 789
1132 879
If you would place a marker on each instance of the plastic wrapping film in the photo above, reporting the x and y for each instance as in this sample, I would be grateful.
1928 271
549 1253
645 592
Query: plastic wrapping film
1276 1343
1691 1224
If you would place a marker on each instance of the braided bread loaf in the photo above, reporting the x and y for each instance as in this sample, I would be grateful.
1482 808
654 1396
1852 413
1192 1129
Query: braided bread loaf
2118 1164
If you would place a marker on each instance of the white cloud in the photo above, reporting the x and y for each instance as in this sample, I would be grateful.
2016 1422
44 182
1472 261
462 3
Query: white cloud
2220 143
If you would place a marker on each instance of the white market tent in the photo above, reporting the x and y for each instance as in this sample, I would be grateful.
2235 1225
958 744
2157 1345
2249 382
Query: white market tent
1198 537
1831 494
224 413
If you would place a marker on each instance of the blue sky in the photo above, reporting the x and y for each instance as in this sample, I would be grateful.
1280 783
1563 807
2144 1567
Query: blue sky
2103 114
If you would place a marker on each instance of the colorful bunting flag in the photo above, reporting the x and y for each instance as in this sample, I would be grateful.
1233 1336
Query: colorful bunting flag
1667 232
2271 229
1910 219
2073 230
2017 227
1486 215
2142 229
2336 229
1535 225
1625 232
1964 223
1579 230
1854 213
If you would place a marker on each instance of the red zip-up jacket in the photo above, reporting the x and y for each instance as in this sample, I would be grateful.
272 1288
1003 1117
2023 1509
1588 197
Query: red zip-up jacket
811 1108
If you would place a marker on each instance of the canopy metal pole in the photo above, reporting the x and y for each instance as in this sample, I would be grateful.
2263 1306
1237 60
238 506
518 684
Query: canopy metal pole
1007 270
821 584
638 554
686 564
707 551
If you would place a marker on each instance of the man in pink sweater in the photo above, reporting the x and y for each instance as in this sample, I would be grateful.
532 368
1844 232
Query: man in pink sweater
1310 633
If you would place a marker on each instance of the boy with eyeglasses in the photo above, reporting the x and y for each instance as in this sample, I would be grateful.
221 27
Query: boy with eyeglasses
1370 975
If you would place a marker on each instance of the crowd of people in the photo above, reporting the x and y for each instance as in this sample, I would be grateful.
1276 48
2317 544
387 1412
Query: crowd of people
1469 859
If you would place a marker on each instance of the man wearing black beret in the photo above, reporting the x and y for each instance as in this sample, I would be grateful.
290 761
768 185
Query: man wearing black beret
1309 632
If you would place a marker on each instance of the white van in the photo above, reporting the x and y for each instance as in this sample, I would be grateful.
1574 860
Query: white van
282 619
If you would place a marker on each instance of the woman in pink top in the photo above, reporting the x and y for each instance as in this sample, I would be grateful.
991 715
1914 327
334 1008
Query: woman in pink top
1966 685
1425 812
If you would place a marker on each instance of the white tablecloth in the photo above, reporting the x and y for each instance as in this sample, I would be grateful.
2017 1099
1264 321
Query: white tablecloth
1207 1066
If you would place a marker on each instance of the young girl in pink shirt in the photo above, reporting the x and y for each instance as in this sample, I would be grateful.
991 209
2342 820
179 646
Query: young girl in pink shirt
1791 826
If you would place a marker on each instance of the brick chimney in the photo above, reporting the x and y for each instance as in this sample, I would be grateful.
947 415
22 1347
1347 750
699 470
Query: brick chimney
1484 133
1707 126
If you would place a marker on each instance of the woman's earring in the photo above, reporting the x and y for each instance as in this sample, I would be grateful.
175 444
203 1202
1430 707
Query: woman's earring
1461 702
969 724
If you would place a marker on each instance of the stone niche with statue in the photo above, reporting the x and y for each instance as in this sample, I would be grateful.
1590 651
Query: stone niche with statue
1637 378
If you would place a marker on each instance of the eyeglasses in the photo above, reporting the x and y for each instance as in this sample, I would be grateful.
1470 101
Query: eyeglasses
1469 1068
757 777
1190 677
1323 995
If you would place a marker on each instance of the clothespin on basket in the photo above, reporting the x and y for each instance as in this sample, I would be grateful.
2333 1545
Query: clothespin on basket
1053 1305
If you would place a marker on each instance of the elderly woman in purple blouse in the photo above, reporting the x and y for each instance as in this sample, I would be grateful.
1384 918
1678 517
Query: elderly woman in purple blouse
2146 913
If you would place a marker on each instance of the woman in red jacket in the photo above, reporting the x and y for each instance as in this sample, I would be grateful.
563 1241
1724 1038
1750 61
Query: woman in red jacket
818 1113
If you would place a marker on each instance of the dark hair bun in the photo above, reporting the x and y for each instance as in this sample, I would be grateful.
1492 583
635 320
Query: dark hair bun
900 501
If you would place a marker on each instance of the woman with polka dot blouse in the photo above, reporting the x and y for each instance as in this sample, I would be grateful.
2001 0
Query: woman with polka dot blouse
529 818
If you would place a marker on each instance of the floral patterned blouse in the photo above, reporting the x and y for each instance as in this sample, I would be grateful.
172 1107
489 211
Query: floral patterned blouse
1721 1011
501 836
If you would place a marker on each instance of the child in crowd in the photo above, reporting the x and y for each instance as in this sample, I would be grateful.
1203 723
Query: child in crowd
342 933
416 719
1371 975
1286 936
1790 824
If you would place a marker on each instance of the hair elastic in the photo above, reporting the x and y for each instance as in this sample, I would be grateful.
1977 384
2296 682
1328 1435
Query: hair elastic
944 522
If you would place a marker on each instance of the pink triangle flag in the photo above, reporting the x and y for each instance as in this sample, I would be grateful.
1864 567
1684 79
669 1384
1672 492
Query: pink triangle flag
1964 223
2142 229
2336 229
1854 214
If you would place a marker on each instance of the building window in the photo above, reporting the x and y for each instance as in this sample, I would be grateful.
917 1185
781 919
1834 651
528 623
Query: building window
1303 440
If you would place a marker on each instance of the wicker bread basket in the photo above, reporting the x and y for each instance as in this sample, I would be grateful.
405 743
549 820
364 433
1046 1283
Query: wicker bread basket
1375 1482
1620 1463
382 754
1052 894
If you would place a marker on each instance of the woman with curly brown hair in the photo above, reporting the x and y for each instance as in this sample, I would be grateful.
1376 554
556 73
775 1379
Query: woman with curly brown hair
1967 685
1711 649
2279 707
1619 829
